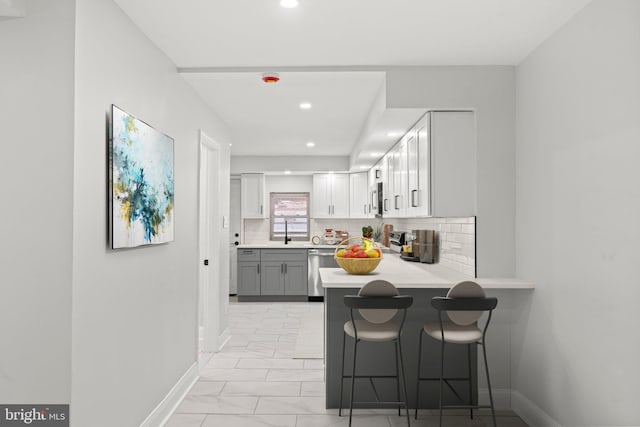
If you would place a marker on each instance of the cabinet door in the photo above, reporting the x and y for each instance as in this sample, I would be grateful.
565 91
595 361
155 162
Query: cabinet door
295 278
359 196
424 172
453 162
418 171
340 195
397 180
252 198
413 174
272 278
321 197
386 185
248 278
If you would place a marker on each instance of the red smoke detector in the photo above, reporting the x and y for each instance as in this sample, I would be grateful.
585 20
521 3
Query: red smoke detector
270 77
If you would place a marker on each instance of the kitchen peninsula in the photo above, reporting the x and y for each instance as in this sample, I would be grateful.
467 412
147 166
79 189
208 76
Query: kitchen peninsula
423 282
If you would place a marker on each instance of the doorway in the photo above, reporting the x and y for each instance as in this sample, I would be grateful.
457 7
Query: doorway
209 231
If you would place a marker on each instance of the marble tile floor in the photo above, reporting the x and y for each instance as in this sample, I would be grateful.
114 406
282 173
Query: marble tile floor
255 381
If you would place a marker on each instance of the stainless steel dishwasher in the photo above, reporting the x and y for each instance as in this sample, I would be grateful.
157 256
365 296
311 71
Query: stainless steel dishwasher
319 258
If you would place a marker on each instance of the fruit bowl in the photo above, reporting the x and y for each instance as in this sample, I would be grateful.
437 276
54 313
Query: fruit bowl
352 261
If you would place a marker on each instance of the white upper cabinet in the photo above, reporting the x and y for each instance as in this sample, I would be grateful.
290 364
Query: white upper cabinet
253 198
398 180
418 171
330 195
451 138
360 206
386 185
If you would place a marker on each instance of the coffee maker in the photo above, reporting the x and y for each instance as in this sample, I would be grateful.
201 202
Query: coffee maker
425 245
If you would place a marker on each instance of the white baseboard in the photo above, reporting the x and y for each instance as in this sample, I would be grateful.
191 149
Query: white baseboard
161 413
530 412
501 397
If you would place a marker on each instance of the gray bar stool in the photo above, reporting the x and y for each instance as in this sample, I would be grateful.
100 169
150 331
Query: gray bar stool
378 303
464 304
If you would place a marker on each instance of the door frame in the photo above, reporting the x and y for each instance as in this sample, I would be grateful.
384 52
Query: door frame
209 229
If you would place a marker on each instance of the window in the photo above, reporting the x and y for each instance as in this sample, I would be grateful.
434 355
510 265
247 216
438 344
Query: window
292 210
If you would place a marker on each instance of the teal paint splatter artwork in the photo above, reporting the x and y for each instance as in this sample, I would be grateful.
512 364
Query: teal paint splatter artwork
141 183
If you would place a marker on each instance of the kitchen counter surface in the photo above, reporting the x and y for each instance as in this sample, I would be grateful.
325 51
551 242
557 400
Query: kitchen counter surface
406 274
281 245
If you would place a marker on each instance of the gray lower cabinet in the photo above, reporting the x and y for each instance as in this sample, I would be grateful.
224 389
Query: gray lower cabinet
249 278
272 280
272 273
295 278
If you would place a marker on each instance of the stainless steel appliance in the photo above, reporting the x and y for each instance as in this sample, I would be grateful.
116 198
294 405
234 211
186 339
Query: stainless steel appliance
318 258
396 240
425 245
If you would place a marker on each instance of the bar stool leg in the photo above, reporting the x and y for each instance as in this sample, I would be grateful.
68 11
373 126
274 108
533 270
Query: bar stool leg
344 336
418 381
486 367
404 381
397 377
470 381
353 377
441 379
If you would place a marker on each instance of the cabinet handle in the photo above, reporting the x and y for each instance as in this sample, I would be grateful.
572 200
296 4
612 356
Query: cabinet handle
413 198
281 268
365 209
258 268
285 269
333 209
260 209
395 201
329 209
385 205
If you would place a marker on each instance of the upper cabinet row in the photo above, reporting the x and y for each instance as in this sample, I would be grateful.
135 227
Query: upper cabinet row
431 171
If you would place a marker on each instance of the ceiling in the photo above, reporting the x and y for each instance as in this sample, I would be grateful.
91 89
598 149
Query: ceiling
221 47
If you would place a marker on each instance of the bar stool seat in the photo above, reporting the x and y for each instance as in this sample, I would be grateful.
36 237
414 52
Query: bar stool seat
454 333
373 332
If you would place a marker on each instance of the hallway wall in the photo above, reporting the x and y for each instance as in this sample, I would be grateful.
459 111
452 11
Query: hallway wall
134 311
36 216
578 204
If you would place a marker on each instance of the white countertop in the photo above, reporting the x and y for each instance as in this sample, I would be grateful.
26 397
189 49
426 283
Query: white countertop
281 245
405 274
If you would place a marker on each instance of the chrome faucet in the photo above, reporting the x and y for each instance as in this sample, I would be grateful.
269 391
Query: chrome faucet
287 239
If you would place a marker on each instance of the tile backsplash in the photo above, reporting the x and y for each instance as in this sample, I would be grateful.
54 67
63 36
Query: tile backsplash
456 235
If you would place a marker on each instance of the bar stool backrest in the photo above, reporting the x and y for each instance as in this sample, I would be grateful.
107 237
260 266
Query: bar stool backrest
467 289
379 288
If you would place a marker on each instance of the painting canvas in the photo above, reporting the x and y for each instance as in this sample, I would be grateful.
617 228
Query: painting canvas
141 183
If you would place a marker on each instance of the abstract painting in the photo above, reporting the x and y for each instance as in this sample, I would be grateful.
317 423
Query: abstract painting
141 183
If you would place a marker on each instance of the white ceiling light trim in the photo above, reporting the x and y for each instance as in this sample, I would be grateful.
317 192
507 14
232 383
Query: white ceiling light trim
311 144
305 105
289 3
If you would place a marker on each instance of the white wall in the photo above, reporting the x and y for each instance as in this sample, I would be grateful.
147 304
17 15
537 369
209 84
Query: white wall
490 91
577 227
134 311
36 134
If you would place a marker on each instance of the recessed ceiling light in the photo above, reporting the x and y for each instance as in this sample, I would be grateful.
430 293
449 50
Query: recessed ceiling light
311 144
364 167
305 105
287 172
230 144
289 3
376 154
394 134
